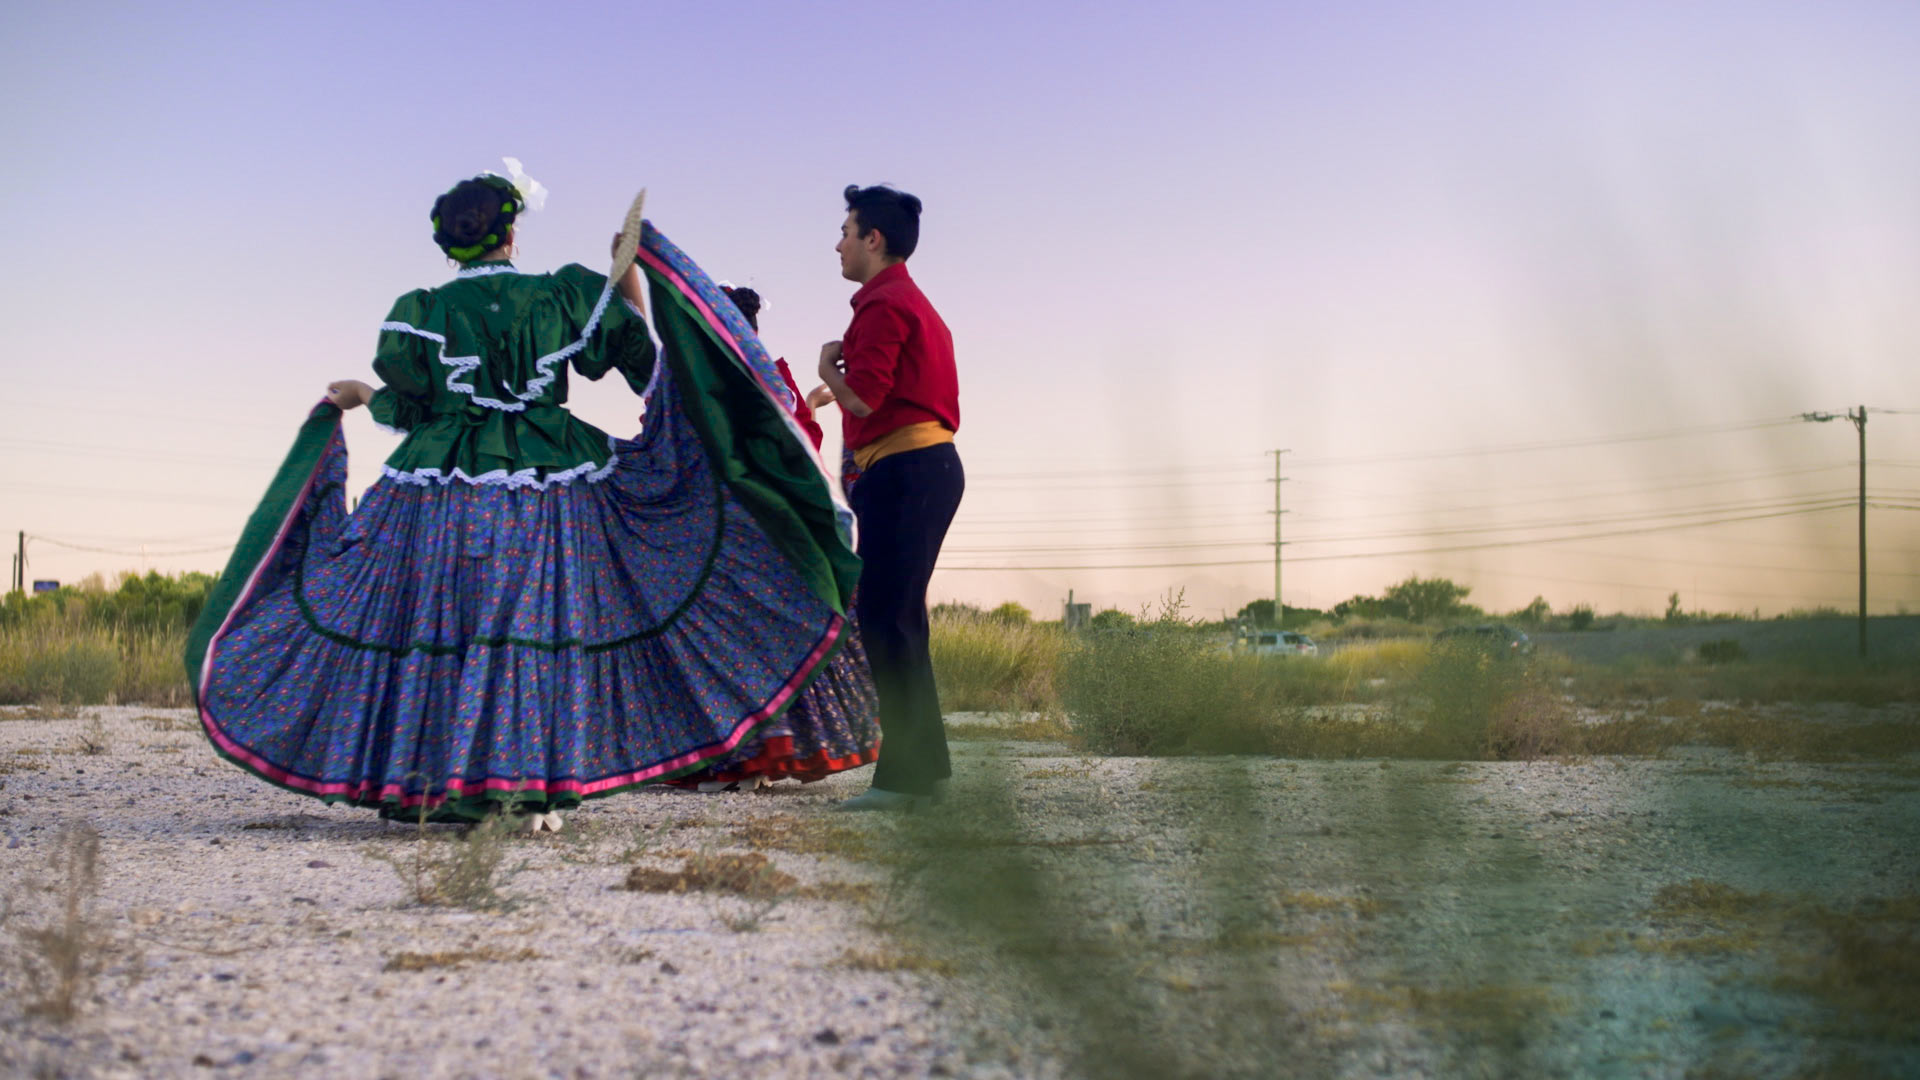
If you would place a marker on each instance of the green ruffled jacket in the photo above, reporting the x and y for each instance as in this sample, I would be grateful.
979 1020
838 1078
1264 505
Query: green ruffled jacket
475 374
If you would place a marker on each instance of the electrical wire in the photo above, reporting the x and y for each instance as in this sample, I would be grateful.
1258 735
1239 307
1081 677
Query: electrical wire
1425 551
1553 444
1727 508
143 552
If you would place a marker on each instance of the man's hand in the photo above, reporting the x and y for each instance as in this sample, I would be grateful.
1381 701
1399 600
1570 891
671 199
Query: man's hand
819 397
831 363
349 393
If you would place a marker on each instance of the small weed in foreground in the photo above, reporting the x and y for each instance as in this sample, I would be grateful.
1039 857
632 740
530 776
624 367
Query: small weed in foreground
93 740
463 871
60 958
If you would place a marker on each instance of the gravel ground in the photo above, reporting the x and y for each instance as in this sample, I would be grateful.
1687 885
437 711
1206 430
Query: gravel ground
1413 919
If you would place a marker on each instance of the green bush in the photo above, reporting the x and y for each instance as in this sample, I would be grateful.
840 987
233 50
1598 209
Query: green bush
1469 703
1723 651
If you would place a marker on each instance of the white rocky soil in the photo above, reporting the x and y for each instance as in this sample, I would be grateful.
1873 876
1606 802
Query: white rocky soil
1416 919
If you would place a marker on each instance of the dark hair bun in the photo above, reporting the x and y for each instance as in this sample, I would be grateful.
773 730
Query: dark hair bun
474 217
747 301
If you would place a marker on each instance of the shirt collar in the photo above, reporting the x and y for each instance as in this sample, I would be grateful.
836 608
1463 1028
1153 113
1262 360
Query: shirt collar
482 269
896 272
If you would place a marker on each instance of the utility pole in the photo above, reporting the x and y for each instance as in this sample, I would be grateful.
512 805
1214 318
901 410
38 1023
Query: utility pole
1279 608
20 565
1859 418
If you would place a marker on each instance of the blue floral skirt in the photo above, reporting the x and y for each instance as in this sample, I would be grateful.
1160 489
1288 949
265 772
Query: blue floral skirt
458 646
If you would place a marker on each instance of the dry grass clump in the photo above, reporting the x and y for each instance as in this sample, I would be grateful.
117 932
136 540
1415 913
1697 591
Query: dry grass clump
1860 963
1492 1010
456 958
806 836
28 760
60 958
38 712
751 875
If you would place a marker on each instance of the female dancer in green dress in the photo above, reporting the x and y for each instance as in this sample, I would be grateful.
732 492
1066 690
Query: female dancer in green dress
524 611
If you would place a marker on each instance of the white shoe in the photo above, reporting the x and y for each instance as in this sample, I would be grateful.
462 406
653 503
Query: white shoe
751 783
549 822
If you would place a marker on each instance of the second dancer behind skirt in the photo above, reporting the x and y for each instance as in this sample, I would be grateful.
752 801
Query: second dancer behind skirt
819 735
524 612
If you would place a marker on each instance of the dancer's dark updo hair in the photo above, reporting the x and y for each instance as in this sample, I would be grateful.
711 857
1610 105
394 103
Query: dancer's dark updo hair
747 301
473 218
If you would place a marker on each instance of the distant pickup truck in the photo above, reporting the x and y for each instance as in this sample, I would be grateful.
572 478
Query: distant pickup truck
1276 643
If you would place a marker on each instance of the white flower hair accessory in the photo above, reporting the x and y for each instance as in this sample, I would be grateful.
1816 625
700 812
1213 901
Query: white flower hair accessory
532 192
765 304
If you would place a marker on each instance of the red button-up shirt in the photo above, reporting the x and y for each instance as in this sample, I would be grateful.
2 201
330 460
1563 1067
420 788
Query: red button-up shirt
899 360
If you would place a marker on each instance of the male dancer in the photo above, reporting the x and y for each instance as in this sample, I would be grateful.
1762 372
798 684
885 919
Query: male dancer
899 396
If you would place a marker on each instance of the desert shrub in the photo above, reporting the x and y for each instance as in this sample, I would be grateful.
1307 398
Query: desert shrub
1469 703
1012 612
984 663
1723 651
1164 686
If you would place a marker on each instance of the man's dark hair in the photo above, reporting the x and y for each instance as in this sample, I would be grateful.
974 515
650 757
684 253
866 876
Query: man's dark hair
895 213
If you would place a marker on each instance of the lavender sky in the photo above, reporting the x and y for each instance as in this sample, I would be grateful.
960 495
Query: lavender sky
1167 237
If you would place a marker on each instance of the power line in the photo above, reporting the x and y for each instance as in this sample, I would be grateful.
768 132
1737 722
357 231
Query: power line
1726 508
1554 444
63 490
143 552
1428 551
132 454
